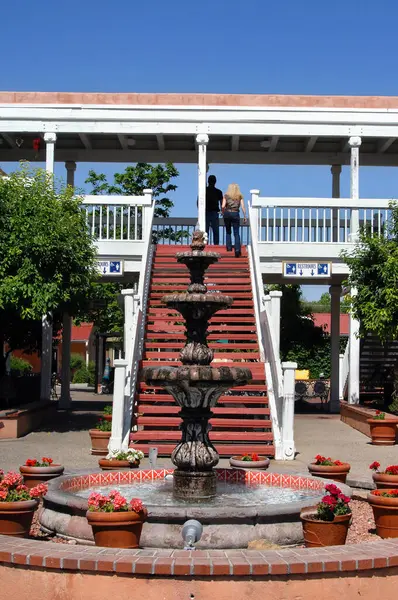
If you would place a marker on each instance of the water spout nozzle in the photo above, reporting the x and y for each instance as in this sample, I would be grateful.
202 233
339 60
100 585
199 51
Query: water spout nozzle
191 533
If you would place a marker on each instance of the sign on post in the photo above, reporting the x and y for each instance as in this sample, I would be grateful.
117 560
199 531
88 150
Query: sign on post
308 270
110 267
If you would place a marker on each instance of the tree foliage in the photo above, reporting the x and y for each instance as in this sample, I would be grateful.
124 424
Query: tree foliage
135 179
374 274
104 309
47 257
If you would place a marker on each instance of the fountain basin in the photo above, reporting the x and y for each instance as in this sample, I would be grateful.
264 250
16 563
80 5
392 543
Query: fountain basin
271 509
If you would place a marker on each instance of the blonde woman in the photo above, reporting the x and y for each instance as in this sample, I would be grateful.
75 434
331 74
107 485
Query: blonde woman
231 205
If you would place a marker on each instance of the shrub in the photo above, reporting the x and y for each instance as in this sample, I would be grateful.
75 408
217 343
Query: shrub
91 372
81 376
20 365
77 362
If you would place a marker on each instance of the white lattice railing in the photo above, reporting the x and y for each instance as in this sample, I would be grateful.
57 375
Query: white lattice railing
318 220
118 218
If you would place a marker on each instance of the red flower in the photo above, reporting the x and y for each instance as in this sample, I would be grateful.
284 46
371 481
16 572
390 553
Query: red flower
392 470
344 498
333 489
3 494
330 501
255 457
374 466
39 491
338 463
136 505
49 461
31 462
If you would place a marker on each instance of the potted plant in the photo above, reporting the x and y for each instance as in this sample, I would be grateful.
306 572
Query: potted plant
249 461
116 523
328 468
17 504
100 437
327 523
387 479
119 459
107 412
35 471
384 504
383 431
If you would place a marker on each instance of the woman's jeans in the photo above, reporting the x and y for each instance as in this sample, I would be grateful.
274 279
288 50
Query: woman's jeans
232 220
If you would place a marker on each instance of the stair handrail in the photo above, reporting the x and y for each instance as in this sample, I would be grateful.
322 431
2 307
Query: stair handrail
129 367
267 342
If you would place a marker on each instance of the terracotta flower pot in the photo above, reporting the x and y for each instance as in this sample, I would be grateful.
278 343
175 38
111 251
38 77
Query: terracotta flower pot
116 529
107 417
99 441
324 533
32 476
335 472
16 517
385 481
383 431
116 465
249 464
385 512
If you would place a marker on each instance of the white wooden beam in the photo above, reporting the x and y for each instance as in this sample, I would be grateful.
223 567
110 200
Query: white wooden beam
235 143
274 143
123 141
311 143
85 141
385 144
160 140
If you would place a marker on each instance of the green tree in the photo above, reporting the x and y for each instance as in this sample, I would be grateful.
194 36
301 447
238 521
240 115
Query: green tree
135 179
104 309
47 257
374 273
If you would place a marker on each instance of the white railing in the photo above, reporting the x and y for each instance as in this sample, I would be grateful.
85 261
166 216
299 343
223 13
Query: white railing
344 370
179 230
269 352
121 218
318 220
127 370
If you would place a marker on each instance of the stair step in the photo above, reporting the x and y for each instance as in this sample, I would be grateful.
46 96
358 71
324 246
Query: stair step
230 346
222 449
230 436
239 392
164 326
148 409
180 338
161 356
222 423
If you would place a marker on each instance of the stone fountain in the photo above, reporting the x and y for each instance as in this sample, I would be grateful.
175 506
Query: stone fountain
196 386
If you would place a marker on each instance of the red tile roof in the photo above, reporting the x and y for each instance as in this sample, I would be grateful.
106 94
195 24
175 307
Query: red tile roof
324 320
81 333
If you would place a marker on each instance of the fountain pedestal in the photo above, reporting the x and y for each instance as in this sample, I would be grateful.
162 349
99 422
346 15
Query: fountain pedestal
196 386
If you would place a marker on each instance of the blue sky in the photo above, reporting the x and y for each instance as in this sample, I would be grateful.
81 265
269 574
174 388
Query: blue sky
284 47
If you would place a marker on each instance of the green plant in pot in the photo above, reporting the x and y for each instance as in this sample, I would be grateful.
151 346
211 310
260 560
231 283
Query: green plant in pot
387 479
100 437
383 429
107 412
17 504
327 523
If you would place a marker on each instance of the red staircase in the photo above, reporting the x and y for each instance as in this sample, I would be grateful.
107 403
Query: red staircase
241 422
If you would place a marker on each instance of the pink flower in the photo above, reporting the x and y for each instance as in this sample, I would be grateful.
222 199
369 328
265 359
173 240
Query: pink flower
136 505
330 501
39 491
3 494
12 479
344 498
333 489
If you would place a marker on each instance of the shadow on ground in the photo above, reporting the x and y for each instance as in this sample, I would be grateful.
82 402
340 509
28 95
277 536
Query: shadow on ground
64 421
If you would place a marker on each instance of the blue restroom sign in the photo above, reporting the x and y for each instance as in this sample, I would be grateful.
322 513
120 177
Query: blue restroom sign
110 267
307 270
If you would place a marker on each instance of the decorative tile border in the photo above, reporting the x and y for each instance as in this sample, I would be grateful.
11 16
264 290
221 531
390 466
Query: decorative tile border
224 475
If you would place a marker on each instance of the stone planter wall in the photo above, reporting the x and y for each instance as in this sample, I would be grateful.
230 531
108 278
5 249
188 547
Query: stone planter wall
355 416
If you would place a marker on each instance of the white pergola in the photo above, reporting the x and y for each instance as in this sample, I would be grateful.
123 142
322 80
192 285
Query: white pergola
202 129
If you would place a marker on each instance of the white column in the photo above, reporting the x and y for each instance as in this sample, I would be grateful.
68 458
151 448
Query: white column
289 372
354 359
47 328
131 304
336 172
341 372
64 402
70 167
87 355
335 292
202 140
50 139
354 143
276 296
116 439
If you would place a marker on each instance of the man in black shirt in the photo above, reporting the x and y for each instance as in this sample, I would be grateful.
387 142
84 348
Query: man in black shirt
214 198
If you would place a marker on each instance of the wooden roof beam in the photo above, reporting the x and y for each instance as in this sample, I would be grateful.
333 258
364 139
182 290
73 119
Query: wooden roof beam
161 144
